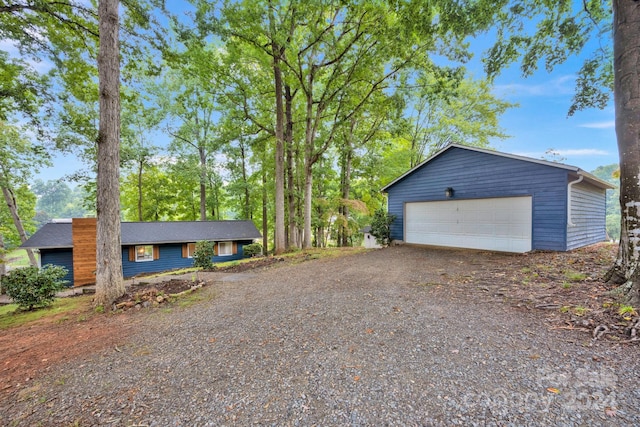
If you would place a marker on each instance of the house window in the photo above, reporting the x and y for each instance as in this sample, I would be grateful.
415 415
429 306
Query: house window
191 249
225 248
144 253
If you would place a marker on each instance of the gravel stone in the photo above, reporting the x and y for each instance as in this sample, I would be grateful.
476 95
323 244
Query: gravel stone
353 341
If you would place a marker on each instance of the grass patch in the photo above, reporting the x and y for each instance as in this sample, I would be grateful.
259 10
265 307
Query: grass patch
192 298
17 258
574 276
627 311
11 316
141 279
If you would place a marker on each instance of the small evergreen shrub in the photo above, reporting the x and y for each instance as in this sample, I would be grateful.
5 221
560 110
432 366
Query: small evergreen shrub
202 257
254 249
381 226
32 287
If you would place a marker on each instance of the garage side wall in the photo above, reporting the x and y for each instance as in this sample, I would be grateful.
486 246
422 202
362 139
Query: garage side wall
587 224
474 175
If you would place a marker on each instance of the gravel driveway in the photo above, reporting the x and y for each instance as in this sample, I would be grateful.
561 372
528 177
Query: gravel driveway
364 340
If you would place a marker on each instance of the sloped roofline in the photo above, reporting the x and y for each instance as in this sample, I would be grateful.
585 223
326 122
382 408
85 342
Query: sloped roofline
587 176
60 237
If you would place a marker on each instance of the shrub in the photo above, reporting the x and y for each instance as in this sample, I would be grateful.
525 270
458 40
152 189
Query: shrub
32 287
254 249
202 257
381 226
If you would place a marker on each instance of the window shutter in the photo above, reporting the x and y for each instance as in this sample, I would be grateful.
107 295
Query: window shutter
215 249
185 250
132 253
156 252
235 248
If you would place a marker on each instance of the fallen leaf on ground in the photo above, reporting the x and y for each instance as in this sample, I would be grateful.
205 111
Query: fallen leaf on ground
553 390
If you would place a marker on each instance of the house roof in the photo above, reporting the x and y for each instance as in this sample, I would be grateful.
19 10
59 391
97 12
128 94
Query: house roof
57 235
587 177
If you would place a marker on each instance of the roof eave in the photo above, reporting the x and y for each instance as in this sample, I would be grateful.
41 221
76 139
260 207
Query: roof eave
594 180
495 153
164 242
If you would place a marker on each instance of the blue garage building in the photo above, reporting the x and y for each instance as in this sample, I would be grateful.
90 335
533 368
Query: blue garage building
482 199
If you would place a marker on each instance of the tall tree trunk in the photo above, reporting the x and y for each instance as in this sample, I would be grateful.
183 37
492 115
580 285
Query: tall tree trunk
280 244
308 194
309 142
247 214
265 212
140 166
10 199
292 241
346 186
626 54
109 280
203 183
3 262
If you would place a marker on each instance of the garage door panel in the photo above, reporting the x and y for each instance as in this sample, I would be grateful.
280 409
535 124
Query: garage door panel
501 224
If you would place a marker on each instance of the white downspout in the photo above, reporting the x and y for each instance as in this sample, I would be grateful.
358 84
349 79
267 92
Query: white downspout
569 222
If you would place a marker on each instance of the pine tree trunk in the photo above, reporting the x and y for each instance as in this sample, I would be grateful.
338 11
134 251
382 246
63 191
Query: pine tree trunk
626 46
109 280
17 221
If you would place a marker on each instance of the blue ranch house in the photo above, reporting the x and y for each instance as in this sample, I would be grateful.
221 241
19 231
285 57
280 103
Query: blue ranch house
476 198
147 247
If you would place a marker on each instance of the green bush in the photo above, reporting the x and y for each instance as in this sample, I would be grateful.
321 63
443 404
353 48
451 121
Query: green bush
381 226
32 287
254 249
203 255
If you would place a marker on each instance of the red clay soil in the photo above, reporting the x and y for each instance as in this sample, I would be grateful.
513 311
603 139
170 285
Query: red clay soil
28 351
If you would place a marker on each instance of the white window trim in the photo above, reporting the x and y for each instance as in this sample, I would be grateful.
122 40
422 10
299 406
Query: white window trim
143 259
225 244
189 253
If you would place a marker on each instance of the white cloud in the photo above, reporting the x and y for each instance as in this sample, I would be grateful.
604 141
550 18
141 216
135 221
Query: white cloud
599 125
582 152
560 86
576 152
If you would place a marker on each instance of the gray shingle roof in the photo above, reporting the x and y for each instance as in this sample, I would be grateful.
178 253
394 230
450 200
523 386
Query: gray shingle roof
58 235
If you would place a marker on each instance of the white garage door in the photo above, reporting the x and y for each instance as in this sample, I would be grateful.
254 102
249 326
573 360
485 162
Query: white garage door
499 224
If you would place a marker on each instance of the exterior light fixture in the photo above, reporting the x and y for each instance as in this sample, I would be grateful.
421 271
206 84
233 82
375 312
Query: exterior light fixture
448 192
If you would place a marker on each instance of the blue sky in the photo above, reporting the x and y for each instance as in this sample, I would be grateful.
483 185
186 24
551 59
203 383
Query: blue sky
586 139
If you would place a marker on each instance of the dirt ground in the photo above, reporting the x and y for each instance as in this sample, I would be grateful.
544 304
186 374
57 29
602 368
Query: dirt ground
564 289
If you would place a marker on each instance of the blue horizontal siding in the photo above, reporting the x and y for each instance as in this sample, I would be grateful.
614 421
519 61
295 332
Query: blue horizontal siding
62 257
475 175
588 215
170 259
